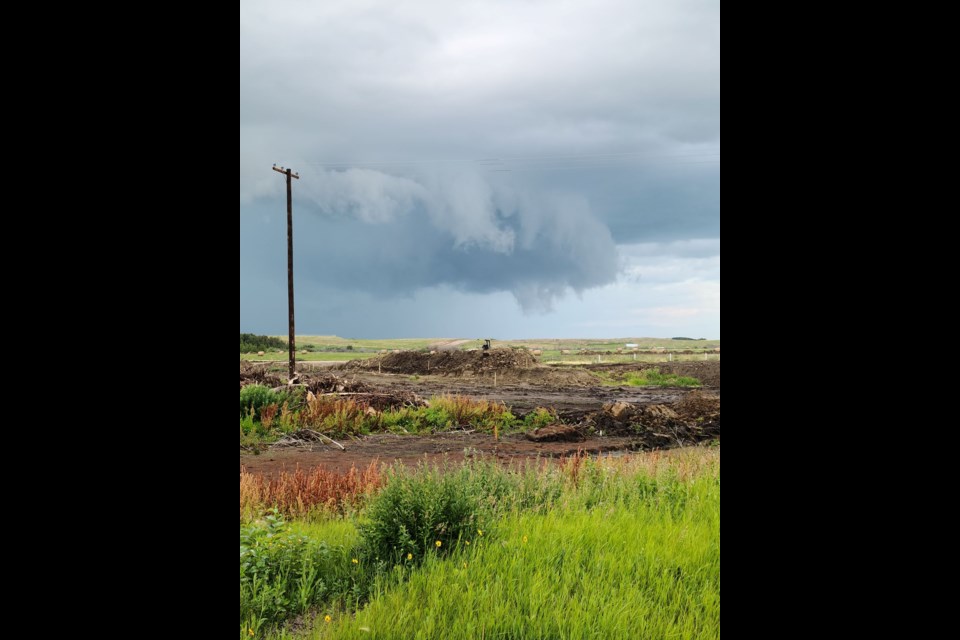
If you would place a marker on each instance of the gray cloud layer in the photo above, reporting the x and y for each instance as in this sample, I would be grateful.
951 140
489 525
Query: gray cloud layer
495 146
458 229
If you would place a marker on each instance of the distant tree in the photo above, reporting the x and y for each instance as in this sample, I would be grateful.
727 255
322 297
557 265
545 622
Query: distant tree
250 343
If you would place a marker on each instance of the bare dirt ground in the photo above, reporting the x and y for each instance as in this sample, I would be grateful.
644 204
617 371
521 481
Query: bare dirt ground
448 447
573 392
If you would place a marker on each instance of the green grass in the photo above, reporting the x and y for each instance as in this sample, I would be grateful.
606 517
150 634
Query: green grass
573 359
550 347
266 416
309 357
605 573
378 345
334 349
653 378
647 378
285 570
645 344
549 357
619 549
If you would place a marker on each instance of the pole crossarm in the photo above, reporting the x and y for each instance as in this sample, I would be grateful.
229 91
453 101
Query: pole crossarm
285 171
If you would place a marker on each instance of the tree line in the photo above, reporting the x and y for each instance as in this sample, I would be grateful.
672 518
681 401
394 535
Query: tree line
250 343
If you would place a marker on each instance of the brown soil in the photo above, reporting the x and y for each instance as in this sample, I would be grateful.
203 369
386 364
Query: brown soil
448 363
631 419
556 433
571 392
509 366
257 374
411 451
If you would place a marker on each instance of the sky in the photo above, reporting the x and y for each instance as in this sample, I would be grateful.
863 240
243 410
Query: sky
500 169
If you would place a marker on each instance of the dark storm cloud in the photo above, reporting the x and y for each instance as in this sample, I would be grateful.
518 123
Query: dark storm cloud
391 236
597 123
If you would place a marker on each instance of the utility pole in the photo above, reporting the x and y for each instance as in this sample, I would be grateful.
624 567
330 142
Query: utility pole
291 176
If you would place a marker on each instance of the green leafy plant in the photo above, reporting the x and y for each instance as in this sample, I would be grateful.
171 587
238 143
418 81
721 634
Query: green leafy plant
425 513
254 398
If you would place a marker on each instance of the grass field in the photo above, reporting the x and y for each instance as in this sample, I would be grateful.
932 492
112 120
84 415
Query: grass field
645 344
556 357
552 349
549 357
589 549
377 345
309 357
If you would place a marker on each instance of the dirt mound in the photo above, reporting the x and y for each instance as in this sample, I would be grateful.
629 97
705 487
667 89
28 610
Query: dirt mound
257 374
707 373
320 385
373 401
391 401
698 405
694 419
558 377
556 433
624 419
449 363
701 408
379 400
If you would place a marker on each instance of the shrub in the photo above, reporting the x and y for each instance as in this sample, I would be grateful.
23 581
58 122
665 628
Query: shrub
255 398
539 418
415 512
250 343
283 574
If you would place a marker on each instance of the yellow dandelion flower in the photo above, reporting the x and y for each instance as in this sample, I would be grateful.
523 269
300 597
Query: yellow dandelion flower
251 633
328 619
355 561
480 533
526 539
409 557
465 565
468 543
439 544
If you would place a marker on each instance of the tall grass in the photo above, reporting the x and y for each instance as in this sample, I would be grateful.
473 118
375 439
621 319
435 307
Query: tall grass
650 378
648 572
303 494
654 378
285 570
626 548
265 416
